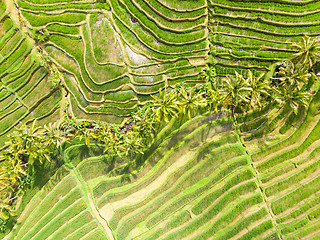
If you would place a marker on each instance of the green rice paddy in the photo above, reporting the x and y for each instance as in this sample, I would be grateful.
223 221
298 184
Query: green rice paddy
208 177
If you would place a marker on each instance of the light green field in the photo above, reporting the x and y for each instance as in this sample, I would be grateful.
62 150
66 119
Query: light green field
114 55
25 93
205 178
194 181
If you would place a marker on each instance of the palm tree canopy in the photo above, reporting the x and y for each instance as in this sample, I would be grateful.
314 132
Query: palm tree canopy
295 98
165 106
308 51
259 87
214 99
236 89
209 74
294 76
190 101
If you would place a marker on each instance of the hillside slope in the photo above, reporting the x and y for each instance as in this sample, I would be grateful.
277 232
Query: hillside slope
255 34
25 92
195 181
205 178
114 55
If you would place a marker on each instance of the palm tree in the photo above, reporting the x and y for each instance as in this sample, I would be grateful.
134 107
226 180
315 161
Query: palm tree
165 106
113 140
100 126
40 151
214 99
133 143
209 74
102 133
308 51
258 87
294 99
113 146
143 122
23 138
190 101
86 134
294 76
236 90
5 209
14 170
53 134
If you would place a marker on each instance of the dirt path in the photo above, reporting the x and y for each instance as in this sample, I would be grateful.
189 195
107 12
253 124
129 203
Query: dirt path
260 184
88 196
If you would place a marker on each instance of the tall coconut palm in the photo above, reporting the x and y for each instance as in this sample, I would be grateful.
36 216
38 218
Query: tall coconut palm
114 146
294 98
165 106
143 122
190 100
214 99
54 134
308 51
133 143
236 90
209 74
259 87
113 140
23 138
5 209
86 134
15 170
294 76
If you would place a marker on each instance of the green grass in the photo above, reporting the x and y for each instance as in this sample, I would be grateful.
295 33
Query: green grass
44 231
242 224
230 195
63 28
302 174
21 74
172 195
296 196
49 200
96 234
192 226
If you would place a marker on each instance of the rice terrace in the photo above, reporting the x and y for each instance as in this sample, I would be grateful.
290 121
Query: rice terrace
159 119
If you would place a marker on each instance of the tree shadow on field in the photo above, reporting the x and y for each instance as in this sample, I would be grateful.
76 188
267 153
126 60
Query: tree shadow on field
92 150
42 173
110 163
128 178
128 175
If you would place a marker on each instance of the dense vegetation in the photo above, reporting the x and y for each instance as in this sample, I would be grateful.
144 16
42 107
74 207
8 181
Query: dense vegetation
156 119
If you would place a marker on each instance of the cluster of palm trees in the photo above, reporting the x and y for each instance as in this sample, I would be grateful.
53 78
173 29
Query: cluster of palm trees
30 144
289 86
24 147
241 93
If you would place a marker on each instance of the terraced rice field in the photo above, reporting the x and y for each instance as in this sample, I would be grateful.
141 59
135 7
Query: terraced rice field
25 93
255 34
284 151
196 181
115 55
204 178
